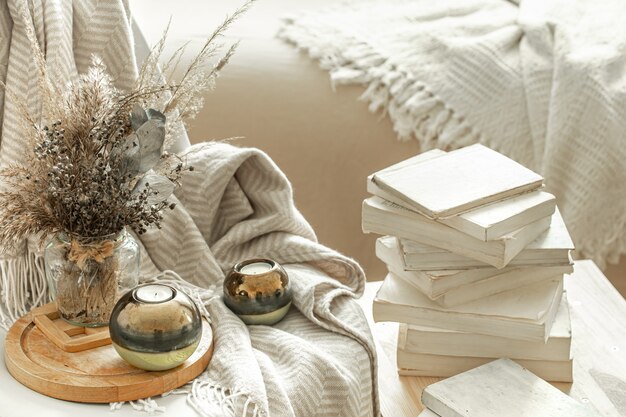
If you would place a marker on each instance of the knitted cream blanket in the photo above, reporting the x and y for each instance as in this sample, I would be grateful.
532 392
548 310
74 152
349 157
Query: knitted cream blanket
236 204
542 82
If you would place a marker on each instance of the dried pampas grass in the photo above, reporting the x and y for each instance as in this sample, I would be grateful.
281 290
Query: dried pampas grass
96 164
96 160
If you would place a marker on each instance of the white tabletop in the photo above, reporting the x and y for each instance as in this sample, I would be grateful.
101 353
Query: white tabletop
597 312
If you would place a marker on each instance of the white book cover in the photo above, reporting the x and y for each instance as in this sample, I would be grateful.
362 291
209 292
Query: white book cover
374 189
526 313
424 156
452 287
387 249
433 283
500 388
553 246
387 218
420 364
457 181
492 221
503 217
509 280
429 340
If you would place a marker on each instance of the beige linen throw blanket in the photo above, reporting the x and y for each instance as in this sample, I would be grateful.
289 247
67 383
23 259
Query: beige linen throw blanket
541 81
236 204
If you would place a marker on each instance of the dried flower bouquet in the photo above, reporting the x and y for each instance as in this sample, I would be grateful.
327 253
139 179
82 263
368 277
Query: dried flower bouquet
97 164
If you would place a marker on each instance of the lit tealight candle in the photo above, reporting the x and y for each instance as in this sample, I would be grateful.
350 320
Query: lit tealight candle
155 327
258 291
256 268
154 293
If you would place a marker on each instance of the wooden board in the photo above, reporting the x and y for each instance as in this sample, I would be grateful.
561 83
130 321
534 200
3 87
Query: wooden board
97 375
598 346
66 336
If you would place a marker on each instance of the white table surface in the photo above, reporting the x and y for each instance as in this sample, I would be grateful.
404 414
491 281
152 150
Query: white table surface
598 320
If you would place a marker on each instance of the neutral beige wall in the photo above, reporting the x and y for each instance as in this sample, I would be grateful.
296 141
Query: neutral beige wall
326 143
617 275
281 102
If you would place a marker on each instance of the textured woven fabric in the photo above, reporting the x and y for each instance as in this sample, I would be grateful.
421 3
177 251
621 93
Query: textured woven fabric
319 360
541 82
236 204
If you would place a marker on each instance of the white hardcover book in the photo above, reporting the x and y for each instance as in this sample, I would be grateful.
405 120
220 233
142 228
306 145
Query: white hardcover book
387 218
429 340
507 281
452 287
373 188
498 219
420 364
457 181
494 220
500 388
488 222
551 247
387 249
526 313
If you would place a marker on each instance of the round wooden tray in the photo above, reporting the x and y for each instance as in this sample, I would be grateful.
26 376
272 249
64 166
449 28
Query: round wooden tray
94 375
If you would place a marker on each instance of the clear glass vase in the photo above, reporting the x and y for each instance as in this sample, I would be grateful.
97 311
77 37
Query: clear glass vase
87 276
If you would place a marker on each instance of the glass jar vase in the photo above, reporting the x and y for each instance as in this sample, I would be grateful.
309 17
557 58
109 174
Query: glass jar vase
87 276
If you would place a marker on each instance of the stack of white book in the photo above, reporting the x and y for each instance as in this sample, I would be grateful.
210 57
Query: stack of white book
476 253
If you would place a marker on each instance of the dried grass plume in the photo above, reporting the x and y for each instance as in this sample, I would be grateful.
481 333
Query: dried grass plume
96 161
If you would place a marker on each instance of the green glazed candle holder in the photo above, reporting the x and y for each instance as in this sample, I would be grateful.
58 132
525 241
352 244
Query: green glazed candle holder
258 291
155 327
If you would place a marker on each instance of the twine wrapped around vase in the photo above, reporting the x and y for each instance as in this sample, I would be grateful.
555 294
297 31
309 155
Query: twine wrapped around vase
99 251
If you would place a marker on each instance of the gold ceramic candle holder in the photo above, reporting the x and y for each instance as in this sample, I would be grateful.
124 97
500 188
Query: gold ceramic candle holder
258 291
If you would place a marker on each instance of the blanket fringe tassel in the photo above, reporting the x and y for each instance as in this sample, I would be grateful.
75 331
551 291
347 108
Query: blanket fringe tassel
416 112
23 285
207 398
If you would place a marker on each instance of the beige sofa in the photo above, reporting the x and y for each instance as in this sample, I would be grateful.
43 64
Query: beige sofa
278 100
